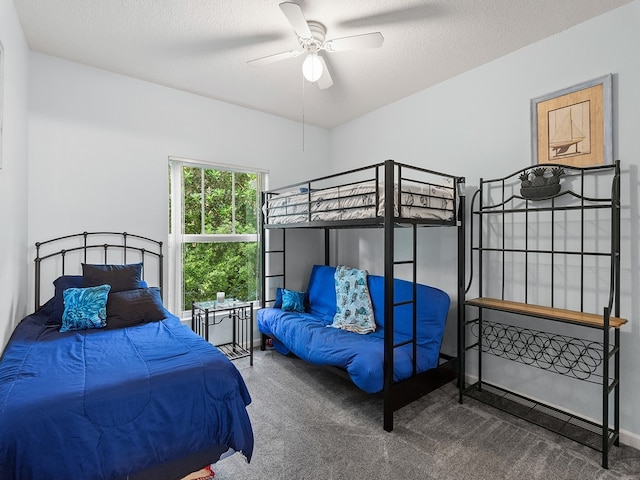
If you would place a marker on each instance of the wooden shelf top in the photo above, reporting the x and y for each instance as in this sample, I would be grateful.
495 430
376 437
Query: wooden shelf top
559 314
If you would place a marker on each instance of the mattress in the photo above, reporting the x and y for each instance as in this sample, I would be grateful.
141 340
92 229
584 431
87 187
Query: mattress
360 201
107 404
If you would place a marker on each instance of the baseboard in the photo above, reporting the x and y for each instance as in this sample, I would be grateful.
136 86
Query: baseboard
627 437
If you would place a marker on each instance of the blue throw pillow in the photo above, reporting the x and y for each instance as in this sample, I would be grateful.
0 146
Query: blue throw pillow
278 301
292 301
61 284
85 308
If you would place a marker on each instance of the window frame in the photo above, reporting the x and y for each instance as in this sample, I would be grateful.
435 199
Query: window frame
176 225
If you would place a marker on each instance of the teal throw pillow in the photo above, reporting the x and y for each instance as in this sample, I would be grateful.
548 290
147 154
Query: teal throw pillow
85 308
292 301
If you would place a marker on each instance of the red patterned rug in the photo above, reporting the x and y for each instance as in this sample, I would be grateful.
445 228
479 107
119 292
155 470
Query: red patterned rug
205 474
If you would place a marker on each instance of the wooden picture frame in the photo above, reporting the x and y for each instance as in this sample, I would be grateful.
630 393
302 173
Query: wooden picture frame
573 126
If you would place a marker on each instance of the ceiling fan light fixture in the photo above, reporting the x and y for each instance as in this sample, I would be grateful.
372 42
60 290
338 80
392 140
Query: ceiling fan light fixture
311 40
312 67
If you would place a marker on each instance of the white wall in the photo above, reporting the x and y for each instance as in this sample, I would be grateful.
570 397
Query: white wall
13 174
100 142
477 125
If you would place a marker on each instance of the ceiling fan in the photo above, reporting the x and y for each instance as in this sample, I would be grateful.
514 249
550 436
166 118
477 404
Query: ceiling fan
311 37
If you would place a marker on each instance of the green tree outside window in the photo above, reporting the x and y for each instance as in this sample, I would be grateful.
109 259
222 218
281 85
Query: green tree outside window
220 250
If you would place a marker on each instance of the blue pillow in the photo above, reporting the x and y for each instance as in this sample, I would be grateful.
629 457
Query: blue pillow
292 301
85 308
54 308
278 301
61 284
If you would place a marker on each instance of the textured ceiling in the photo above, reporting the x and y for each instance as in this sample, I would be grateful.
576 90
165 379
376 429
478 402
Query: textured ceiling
202 46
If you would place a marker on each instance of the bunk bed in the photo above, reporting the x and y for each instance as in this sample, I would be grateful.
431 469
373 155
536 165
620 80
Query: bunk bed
385 196
132 394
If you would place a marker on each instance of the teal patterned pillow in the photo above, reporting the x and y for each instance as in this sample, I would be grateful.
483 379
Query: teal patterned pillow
292 301
85 308
354 311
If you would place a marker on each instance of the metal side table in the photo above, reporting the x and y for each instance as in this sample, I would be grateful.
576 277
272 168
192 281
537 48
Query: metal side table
211 313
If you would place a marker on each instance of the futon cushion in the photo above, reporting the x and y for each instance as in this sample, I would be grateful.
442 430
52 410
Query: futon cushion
133 307
321 292
85 308
119 277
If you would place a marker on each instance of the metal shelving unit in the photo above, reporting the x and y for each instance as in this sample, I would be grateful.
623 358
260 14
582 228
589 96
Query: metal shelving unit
548 258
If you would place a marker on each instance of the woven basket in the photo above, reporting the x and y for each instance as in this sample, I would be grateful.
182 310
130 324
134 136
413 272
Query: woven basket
538 193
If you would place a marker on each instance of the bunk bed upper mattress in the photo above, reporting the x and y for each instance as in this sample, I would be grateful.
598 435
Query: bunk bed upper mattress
358 201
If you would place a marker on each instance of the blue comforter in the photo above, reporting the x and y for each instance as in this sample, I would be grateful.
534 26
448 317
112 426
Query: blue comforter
104 404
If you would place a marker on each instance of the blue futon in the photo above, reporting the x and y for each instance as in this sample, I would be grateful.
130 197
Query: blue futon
309 336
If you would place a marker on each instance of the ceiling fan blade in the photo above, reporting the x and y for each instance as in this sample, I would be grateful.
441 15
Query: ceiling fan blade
366 40
325 80
293 12
276 57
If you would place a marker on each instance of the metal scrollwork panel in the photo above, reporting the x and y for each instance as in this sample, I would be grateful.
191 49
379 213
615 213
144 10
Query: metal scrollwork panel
560 354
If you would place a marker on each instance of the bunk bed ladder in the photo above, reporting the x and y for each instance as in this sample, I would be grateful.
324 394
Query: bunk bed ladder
390 390
412 300
270 253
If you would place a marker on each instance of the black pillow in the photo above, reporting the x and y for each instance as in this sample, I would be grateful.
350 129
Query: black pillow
133 307
120 277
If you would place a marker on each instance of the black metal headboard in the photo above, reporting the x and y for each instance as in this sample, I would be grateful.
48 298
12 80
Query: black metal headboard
65 256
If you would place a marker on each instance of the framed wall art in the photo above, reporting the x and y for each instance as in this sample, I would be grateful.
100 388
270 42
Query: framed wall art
573 126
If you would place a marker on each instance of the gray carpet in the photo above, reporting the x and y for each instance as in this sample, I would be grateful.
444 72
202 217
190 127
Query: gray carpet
312 424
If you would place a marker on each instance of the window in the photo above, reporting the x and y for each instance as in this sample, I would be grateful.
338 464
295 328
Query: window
214 214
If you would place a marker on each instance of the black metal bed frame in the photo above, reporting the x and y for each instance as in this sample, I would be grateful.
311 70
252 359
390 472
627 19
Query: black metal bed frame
103 242
395 394
496 206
